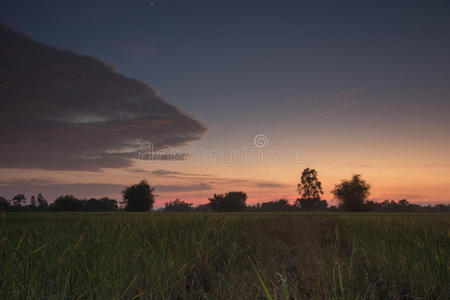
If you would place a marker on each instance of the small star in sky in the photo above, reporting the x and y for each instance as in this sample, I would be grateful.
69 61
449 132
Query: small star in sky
153 3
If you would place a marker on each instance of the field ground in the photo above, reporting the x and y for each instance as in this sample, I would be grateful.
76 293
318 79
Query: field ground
226 256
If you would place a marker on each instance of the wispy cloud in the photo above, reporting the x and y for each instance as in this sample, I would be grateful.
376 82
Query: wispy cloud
162 172
184 188
271 185
344 100
52 189
165 173
137 171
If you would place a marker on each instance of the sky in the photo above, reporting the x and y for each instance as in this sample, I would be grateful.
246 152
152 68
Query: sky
203 97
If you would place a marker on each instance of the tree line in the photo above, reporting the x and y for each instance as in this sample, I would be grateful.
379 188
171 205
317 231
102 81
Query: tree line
62 203
352 195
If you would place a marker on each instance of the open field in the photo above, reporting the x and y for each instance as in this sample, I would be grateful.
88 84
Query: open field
210 256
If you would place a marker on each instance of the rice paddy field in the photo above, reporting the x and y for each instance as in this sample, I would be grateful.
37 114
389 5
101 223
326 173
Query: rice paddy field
224 256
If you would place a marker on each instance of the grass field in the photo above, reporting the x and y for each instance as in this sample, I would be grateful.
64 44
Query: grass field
225 256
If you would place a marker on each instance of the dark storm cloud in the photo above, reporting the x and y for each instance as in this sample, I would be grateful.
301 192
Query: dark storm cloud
60 110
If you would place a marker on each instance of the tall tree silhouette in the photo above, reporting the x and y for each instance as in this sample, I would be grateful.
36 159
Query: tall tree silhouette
42 202
138 197
33 201
310 190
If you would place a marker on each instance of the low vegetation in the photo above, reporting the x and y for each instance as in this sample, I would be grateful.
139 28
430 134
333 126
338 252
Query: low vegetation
224 256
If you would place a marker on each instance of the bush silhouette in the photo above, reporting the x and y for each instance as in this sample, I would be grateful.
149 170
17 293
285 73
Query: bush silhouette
138 197
232 201
277 205
352 193
177 205
67 203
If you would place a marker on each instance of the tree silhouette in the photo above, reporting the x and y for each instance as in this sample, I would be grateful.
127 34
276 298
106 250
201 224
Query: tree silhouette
352 193
19 199
33 201
103 204
42 202
138 197
4 204
310 189
232 201
108 204
67 203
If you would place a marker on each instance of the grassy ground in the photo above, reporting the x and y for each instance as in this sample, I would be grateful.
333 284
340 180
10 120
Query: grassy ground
232 256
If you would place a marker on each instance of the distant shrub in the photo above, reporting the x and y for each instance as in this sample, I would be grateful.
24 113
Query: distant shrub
102 204
177 205
67 203
232 201
312 204
277 205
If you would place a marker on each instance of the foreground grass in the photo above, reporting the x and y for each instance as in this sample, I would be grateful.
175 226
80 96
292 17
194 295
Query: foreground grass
273 255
